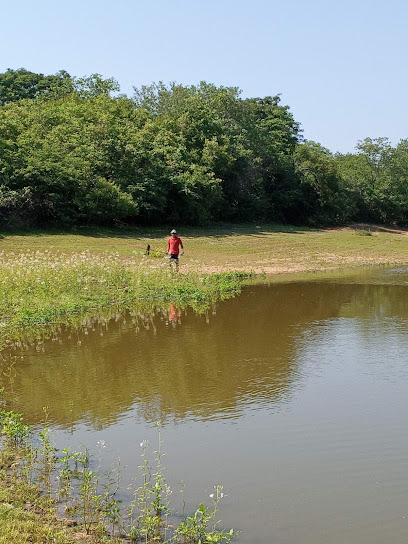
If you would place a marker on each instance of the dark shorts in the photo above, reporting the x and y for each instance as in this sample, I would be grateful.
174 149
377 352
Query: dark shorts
174 256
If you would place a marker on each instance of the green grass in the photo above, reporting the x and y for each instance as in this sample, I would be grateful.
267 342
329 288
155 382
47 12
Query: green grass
51 287
54 277
26 514
272 248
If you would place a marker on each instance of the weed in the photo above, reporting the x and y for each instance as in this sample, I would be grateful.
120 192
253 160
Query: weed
86 504
13 428
65 488
109 506
150 510
47 455
201 527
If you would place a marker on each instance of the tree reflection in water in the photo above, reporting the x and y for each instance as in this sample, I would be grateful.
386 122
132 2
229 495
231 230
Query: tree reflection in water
172 364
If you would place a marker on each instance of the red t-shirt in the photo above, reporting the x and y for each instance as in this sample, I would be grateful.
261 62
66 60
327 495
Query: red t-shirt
174 244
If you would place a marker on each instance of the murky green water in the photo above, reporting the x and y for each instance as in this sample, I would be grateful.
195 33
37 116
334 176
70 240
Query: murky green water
294 396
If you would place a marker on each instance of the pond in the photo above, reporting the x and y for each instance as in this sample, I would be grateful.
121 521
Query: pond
293 396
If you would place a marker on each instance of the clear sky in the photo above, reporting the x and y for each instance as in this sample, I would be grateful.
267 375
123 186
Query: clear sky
341 66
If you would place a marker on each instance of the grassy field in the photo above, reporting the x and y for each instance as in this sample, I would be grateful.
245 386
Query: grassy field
272 249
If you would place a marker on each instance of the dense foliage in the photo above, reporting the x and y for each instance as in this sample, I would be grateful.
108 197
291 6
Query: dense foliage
73 151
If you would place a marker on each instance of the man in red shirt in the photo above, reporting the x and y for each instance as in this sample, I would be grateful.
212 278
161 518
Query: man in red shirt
173 248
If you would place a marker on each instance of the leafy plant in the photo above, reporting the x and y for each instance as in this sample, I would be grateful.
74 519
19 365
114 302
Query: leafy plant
201 527
13 428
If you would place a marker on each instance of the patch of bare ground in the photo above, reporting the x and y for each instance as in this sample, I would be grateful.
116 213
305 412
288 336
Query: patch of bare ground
82 538
323 263
291 268
392 229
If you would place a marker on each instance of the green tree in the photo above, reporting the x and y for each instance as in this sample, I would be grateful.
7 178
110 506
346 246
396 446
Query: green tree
55 148
367 173
324 196
20 84
72 151
94 85
396 188
244 144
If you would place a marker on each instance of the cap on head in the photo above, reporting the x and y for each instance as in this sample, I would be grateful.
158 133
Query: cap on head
173 231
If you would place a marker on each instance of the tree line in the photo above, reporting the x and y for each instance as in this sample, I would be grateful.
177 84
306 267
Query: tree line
74 151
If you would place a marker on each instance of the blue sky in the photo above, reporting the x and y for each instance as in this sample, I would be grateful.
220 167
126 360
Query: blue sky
340 66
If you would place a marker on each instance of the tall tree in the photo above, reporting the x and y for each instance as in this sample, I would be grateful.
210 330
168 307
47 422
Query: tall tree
324 197
367 174
19 84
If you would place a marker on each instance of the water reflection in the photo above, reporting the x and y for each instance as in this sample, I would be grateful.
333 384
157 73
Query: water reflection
174 365
174 315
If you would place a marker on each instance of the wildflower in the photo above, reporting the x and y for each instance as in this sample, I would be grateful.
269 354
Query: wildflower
101 444
211 495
